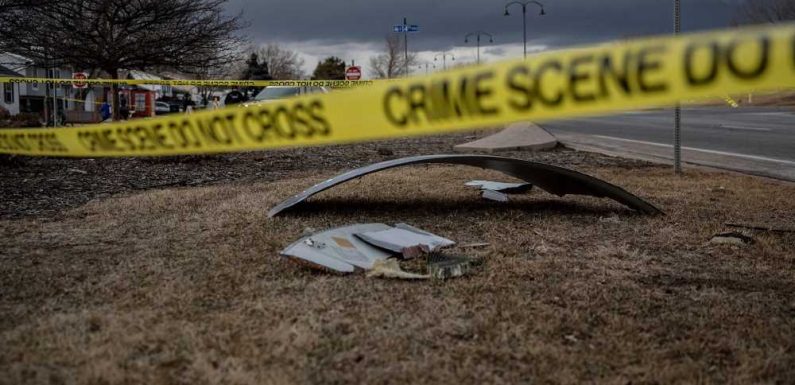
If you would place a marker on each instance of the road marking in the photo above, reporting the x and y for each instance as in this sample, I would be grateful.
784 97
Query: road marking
638 112
754 157
787 114
731 127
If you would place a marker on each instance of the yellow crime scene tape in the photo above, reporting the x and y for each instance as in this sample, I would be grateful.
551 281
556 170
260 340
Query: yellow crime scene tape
552 85
199 83
733 103
79 101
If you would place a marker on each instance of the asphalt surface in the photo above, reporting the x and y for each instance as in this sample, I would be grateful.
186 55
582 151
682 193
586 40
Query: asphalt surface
748 132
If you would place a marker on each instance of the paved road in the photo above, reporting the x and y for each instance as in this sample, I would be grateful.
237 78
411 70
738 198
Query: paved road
763 136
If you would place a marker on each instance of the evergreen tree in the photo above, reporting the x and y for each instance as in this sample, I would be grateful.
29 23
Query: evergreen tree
331 68
255 71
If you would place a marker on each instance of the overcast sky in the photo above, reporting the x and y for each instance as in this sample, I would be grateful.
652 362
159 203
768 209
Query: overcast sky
355 29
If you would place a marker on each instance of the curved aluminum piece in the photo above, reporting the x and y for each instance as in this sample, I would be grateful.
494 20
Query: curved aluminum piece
553 179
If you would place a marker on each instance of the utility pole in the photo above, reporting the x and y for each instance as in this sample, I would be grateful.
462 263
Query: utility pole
426 67
46 101
677 108
405 28
524 4
478 48
406 45
478 33
54 101
444 56
46 93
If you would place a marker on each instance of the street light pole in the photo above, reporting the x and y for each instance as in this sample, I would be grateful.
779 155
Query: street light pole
478 33
406 45
524 17
444 58
677 108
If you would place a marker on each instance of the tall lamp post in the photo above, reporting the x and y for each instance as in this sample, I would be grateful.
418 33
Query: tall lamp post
524 17
426 67
478 34
444 56
677 108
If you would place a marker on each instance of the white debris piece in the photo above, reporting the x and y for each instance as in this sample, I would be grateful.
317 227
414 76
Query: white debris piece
338 249
494 196
406 240
731 238
503 187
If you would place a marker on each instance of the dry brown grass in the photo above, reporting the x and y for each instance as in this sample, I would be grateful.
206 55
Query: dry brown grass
185 286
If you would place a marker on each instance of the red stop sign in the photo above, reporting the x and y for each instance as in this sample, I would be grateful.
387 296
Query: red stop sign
79 76
353 73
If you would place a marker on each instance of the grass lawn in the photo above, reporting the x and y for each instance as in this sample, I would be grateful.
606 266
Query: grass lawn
185 285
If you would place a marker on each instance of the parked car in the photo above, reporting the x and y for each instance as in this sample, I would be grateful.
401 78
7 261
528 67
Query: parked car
175 105
281 92
162 108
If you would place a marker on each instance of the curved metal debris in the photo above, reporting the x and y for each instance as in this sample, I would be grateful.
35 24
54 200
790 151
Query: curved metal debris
553 179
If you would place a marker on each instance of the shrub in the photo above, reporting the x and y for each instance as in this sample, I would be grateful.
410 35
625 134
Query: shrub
25 119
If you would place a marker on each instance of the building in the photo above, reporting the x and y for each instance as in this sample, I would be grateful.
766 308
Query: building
141 98
79 105
34 97
9 92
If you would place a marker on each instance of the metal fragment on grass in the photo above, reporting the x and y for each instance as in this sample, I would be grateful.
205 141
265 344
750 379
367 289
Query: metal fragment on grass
443 266
346 249
503 187
338 249
406 240
731 238
390 268
494 196
474 245
553 179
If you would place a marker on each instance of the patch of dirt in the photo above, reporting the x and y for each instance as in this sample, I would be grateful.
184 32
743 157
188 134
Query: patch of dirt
185 285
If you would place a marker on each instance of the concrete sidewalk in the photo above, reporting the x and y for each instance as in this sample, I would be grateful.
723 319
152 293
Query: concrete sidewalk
517 136
663 153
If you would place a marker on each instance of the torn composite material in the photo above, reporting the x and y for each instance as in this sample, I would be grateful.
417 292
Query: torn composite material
553 179
361 246
494 196
502 187
406 240
338 249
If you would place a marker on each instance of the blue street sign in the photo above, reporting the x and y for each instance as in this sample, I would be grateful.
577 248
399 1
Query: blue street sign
406 28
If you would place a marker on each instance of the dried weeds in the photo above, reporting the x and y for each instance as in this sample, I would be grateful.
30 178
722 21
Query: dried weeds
185 285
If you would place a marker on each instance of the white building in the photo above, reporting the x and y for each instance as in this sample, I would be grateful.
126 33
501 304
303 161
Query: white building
9 92
31 97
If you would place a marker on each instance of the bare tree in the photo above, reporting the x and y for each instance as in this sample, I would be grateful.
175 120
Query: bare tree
283 63
392 63
765 11
114 35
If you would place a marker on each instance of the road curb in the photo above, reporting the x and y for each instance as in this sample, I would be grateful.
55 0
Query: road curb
587 143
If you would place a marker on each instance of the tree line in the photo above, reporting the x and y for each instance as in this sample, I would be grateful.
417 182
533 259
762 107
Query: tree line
197 38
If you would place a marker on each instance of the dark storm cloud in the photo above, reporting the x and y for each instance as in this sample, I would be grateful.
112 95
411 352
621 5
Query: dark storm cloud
445 22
